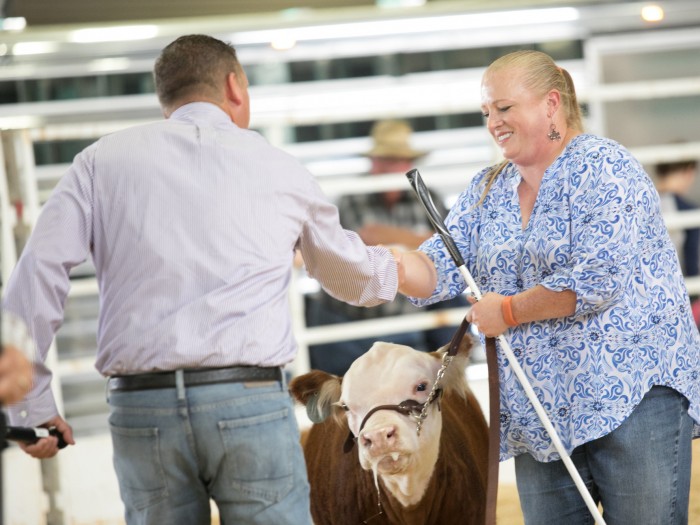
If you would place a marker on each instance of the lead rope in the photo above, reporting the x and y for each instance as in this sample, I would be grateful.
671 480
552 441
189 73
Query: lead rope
494 432
446 360
494 414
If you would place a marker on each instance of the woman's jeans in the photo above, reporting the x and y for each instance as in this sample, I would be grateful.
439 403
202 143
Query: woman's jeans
639 473
235 443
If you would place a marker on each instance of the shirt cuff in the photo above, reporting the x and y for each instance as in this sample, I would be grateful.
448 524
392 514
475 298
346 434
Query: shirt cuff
34 412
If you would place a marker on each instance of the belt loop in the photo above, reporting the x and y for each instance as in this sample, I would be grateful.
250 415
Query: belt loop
283 379
180 383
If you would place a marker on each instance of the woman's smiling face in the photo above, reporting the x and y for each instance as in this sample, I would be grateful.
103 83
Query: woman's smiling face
516 118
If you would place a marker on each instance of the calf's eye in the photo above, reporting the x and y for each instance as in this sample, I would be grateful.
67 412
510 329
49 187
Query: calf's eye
422 387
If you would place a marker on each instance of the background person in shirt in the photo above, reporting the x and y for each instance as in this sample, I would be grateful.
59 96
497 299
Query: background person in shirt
391 218
674 181
192 224
566 242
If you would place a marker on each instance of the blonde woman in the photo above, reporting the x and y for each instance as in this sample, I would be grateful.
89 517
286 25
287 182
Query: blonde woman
566 241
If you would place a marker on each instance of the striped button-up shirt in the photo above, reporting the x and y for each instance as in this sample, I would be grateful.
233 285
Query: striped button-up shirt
192 224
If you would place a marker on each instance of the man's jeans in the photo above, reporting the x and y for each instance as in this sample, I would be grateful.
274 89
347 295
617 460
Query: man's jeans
236 443
640 472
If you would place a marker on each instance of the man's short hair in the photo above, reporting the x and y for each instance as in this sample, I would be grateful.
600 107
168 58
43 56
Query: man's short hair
193 65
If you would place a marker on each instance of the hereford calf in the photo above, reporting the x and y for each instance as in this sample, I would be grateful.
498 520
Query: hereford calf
437 476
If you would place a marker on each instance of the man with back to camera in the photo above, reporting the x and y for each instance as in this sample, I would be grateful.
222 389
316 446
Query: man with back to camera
192 224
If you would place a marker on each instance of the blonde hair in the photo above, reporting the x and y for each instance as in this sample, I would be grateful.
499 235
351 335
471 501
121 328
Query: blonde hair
539 74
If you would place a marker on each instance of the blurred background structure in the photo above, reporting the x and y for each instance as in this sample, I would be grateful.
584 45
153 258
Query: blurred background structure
322 73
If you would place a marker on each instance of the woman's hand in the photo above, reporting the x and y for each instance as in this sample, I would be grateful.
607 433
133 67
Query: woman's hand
536 304
486 314
417 273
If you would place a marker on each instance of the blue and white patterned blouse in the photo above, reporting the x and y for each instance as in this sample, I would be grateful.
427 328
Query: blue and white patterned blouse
596 229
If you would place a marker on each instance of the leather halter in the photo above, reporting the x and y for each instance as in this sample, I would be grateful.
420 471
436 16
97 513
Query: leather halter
409 407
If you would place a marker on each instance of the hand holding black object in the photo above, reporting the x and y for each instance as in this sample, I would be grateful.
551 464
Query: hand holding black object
31 435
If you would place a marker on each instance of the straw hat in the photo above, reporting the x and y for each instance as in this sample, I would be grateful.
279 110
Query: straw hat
392 139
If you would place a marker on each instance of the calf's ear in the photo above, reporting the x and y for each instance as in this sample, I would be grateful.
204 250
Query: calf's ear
318 391
464 349
455 375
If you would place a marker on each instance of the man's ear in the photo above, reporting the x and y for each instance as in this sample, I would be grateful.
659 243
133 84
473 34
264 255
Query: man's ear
234 91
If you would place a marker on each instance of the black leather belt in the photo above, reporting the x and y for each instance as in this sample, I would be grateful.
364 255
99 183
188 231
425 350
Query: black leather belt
205 376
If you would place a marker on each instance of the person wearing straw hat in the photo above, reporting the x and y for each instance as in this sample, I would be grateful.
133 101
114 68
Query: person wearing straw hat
390 218
566 241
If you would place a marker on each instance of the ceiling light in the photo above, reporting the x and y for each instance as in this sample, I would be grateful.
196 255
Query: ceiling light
13 23
109 64
113 34
410 25
399 3
652 13
283 43
34 48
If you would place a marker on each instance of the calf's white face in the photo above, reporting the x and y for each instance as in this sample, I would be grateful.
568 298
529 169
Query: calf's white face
389 444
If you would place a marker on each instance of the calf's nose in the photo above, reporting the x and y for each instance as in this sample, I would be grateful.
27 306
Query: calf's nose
378 438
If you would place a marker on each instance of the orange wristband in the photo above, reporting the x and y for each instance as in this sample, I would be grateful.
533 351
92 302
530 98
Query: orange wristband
507 311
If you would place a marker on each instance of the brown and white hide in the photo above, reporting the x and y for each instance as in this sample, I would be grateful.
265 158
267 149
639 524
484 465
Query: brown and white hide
435 478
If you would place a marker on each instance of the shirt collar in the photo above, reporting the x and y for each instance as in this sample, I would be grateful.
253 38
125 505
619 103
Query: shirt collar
512 175
200 111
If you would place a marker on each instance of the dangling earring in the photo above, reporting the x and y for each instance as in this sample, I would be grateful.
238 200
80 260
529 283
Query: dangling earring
553 133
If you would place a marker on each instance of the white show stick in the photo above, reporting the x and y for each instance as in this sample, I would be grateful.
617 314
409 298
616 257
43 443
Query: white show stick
424 196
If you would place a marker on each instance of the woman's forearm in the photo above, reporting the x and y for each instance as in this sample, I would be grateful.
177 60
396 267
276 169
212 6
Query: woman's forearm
539 303
492 317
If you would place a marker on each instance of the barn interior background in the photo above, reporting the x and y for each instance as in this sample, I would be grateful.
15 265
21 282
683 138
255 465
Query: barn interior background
321 73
